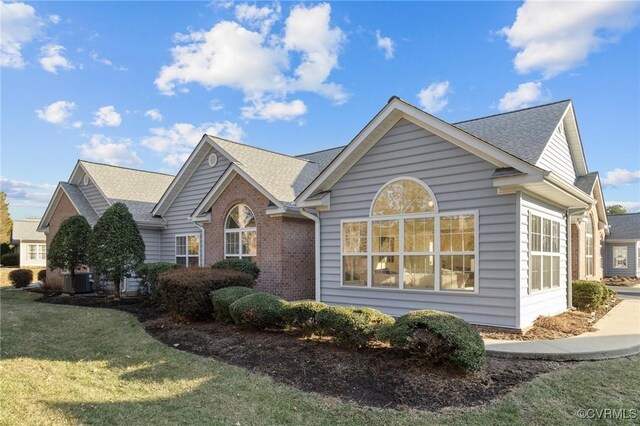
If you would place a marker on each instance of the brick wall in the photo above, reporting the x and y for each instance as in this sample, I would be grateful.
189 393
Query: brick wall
575 251
285 245
63 210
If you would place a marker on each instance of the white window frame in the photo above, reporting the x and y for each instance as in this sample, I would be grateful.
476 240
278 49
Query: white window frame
589 244
543 254
187 255
40 252
239 231
436 253
626 257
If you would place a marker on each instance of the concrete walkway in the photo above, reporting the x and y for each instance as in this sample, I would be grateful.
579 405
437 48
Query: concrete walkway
618 335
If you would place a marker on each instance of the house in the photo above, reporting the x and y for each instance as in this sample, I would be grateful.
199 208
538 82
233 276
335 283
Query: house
30 243
414 213
622 246
93 187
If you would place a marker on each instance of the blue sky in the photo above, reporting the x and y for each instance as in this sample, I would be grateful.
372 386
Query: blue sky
137 84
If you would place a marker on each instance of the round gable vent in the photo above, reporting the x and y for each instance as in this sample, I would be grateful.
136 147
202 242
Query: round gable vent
213 160
85 180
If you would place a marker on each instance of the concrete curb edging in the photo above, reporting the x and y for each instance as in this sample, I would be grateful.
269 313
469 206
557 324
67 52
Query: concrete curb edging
568 356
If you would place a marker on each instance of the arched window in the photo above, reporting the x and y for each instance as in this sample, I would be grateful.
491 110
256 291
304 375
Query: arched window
403 196
240 235
406 244
589 246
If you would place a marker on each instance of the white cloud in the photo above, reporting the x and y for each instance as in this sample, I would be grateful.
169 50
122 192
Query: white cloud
261 18
26 194
107 116
108 150
154 114
51 58
19 25
104 61
553 37
260 63
618 177
434 97
181 138
216 105
76 124
386 44
631 206
57 112
271 111
176 159
524 96
54 19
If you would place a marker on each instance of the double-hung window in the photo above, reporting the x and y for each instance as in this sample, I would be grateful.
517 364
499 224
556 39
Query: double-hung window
620 257
589 246
188 250
37 251
544 249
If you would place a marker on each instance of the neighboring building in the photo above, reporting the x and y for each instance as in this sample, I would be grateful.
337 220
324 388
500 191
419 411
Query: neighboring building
623 246
30 243
93 187
415 213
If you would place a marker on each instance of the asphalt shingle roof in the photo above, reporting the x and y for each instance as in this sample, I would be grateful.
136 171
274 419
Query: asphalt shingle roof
281 175
141 211
80 201
324 157
121 183
585 183
624 226
523 133
26 230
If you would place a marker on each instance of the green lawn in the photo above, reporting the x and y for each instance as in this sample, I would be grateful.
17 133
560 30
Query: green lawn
73 365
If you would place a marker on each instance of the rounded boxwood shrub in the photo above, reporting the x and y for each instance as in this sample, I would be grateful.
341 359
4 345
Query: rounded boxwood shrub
241 265
302 315
10 259
439 336
42 275
21 277
149 273
589 295
354 327
223 298
258 311
186 292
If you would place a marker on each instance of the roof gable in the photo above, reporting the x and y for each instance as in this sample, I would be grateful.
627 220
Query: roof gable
77 199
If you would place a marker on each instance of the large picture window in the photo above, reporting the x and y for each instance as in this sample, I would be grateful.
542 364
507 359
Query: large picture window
589 246
240 234
188 250
37 251
620 257
544 253
406 244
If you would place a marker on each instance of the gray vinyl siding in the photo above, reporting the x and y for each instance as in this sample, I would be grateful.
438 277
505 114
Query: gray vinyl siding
151 238
203 179
94 197
556 157
632 259
460 181
543 302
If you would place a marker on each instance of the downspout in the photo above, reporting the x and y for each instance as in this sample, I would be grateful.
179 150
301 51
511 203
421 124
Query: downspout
202 245
569 263
316 220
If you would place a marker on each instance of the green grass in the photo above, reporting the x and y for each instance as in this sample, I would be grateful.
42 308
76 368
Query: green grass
73 365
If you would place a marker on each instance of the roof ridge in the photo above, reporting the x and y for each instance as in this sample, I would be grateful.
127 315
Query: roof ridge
261 149
321 150
511 112
125 168
623 214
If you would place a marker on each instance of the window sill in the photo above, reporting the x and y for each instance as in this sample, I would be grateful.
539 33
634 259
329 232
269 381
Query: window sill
413 290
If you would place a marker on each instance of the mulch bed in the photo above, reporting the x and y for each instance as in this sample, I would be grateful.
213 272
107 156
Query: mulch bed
622 281
377 376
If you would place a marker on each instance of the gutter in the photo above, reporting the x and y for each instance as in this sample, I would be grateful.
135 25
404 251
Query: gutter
316 220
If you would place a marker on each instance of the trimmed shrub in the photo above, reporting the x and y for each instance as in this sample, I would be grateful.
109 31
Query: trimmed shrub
149 273
302 315
223 298
241 265
258 311
10 259
5 248
440 336
186 292
42 275
589 295
21 277
353 327
53 284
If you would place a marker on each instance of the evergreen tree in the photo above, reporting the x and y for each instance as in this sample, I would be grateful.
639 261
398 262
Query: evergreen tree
68 249
116 247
